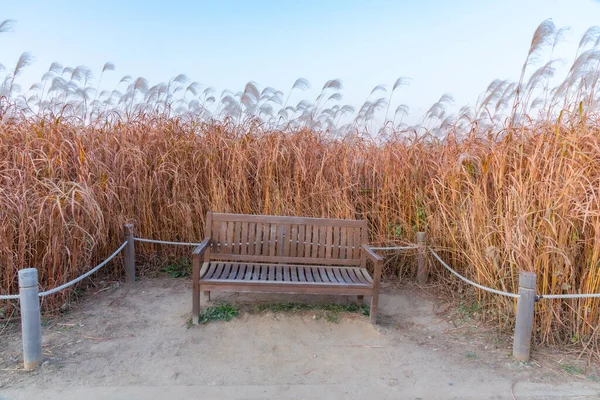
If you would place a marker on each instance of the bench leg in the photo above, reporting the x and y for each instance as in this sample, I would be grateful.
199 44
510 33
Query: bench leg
373 309
196 304
359 299
206 297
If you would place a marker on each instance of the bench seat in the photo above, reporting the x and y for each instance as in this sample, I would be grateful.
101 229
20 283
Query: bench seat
300 276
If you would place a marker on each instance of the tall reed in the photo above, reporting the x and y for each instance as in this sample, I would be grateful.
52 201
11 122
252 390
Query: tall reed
528 200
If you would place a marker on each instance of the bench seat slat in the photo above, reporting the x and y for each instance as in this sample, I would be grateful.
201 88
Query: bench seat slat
315 274
330 275
211 271
219 272
249 271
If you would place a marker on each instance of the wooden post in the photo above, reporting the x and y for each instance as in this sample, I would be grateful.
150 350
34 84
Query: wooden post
524 323
129 254
422 270
195 288
31 326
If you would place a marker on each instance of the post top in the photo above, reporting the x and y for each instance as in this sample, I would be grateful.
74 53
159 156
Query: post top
128 229
28 277
527 279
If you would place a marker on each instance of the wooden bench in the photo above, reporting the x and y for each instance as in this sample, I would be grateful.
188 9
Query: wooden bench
259 253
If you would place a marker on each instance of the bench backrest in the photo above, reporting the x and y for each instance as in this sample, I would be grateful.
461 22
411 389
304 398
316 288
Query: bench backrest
275 239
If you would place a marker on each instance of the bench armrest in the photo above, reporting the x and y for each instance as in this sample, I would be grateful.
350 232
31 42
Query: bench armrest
199 251
196 256
377 261
371 255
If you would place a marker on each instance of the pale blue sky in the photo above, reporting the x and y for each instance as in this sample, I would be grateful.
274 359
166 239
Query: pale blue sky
443 46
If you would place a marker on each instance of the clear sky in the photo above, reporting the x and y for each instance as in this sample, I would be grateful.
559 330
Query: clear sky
455 47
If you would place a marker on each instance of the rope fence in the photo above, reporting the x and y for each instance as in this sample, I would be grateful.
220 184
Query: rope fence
30 308
70 283
9 296
137 239
487 289
525 306
568 296
514 295
82 277
413 247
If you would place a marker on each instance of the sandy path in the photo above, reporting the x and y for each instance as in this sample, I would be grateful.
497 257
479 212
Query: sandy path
134 343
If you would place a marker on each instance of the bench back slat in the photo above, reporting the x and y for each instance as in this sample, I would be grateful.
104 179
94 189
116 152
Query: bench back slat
276 239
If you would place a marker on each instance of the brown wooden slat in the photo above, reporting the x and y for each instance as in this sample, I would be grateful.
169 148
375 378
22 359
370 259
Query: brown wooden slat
219 270
316 275
287 273
287 287
350 241
290 260
260 272
352 273
272 219
331 275
335 250
249 271
357 243
345 276
366 275
323 274
270 245
216 228
209 272
338 275
285 240
293 241
237 233
301 239
258 239
266 237
341 252
251 238
322 241
208 225
359 276
279 240
241 275
328 241
271 271
234 270
228 238
226 271
222 236
330 284
244 239
314 253
307 241
344 243
308 274
273 239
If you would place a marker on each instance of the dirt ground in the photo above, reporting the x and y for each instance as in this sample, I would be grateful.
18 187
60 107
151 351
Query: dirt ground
134 342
